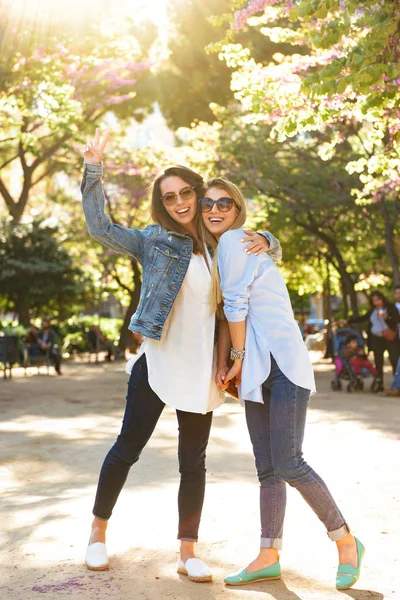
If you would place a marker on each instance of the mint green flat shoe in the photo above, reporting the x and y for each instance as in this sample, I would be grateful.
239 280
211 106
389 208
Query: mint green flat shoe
347 575
243 577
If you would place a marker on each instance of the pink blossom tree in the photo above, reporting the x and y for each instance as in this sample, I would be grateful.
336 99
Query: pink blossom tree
51 100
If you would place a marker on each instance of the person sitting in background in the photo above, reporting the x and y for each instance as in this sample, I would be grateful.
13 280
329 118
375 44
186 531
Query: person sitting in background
99 342
48 345
356 356
31 341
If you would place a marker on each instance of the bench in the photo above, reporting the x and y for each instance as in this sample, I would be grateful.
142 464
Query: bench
8 352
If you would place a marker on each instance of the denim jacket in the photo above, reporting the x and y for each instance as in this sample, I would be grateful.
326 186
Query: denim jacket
164 255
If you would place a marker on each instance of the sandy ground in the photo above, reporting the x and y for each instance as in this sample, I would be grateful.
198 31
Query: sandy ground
55 432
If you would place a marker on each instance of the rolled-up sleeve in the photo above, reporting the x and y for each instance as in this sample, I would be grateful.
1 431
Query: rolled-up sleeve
237 271
275 250
120 239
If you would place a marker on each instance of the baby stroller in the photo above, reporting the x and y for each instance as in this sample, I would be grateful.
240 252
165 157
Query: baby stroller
343 369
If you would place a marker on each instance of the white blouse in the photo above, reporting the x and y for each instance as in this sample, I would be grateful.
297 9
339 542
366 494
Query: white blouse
182 364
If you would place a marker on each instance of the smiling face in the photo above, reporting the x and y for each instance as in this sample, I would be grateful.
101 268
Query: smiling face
217 221
179 200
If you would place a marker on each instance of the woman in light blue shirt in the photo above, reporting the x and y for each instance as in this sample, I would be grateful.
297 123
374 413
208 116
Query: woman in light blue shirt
275 379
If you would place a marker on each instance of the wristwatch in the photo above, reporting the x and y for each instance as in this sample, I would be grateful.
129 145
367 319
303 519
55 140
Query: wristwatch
237 354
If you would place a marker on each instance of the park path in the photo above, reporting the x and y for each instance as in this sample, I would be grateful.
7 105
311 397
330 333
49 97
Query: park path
55 432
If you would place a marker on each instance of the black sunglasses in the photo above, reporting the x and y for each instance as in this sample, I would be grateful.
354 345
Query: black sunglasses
223 204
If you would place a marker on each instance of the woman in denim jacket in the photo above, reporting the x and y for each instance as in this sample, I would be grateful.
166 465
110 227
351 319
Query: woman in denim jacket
175 364
275 378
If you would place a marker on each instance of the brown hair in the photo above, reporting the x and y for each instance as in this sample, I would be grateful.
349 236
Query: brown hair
158 211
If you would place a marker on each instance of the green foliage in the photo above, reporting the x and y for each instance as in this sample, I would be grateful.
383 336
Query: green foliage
350 70
74 331
71 334
344 86
37 276
53 94
306 200
194 77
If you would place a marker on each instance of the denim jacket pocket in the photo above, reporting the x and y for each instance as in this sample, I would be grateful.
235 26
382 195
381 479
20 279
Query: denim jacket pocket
164 258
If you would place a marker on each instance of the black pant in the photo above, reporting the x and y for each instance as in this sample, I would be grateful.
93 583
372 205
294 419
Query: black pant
143 409
378 346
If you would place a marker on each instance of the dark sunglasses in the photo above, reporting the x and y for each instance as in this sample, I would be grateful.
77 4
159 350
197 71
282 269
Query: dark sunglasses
186 193
223 204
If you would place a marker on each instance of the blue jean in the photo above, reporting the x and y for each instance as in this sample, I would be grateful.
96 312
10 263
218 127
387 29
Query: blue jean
396 381
276 431
143 409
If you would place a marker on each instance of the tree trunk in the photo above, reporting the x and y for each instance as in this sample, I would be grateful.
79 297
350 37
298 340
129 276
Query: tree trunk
389 241
344 298
22 309
328 313
16 209
125 339
352 293
334 250
347 281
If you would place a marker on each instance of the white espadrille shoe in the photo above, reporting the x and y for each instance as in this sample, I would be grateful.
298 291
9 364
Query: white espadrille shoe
96 557
195 570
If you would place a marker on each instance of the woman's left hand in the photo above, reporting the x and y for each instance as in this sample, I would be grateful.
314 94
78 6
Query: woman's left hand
257 243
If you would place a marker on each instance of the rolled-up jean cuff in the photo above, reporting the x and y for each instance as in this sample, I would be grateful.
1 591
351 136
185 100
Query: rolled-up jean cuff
100 518
271 543
338 534
186 539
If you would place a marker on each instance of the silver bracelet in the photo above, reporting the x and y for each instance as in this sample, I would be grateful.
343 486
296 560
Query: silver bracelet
237 354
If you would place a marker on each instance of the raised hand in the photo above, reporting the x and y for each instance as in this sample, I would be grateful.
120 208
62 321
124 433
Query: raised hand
93 151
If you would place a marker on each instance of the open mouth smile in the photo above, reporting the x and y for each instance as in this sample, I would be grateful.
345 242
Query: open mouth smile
183 211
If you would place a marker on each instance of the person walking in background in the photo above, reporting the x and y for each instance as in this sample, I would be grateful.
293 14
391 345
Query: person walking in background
394 389
383 320
397 305
275 384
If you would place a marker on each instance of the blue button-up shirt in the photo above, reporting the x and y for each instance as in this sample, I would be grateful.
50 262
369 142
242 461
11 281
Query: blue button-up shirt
254 290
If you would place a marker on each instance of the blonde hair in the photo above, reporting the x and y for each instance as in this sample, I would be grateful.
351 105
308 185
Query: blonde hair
216 300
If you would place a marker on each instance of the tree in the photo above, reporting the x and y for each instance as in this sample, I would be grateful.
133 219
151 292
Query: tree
36 274
192 77
52 96
307 201
346 83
